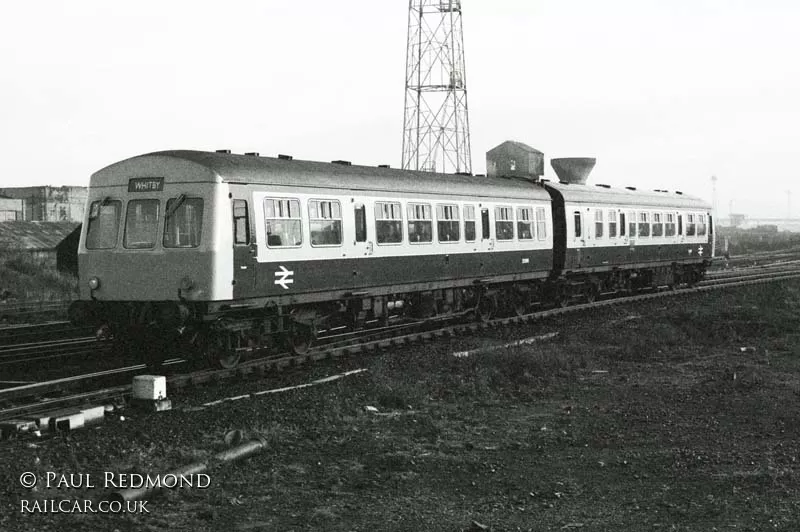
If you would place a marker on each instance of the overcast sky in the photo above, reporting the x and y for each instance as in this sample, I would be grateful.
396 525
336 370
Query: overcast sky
664 93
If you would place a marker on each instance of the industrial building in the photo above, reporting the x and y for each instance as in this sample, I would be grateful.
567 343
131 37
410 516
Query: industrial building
43 204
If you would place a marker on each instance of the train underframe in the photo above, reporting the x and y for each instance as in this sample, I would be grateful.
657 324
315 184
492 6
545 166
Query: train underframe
150 332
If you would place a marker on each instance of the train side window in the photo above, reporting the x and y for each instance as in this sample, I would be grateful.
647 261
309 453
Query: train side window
241 222
598 223
691 228
632 224
103 224
658 224
325 222
504 223
578 231
420 223
612 224
141 224
701 225
448 223
541 223
644 224
283 222
669 226
525 223
469 223
680 224
485 224
388 223
183 223
622 225
361 222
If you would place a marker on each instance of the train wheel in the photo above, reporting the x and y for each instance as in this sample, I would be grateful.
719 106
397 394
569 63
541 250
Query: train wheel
300 338
520 301
220 350
592 292
487 307
563 296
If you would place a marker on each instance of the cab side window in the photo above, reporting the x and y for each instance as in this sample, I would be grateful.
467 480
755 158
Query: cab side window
241 223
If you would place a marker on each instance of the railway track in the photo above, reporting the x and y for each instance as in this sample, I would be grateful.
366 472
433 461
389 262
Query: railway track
16 401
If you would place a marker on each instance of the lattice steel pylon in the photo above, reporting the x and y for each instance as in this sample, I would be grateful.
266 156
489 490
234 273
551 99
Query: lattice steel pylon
436 122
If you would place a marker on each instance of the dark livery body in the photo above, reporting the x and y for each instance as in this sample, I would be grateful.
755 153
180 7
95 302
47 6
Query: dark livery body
224 252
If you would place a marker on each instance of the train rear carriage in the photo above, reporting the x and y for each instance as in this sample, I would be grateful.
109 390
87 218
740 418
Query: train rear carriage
612 239
230 251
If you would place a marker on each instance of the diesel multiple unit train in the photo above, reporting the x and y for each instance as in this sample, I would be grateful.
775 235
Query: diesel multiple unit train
217 253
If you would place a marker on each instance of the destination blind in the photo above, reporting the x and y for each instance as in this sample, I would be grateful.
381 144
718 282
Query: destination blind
146 184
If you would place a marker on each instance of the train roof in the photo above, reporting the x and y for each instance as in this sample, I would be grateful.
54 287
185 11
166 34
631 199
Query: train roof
200 166
602 194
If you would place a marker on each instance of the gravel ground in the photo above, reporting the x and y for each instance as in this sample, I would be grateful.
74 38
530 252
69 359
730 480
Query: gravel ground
673 414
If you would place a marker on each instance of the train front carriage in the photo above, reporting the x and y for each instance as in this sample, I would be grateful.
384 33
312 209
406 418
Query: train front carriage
217 254
154 250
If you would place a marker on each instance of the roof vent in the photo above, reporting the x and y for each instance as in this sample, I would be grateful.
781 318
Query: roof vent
678 192
251 153
631 188
603 185
573 170
343 163
480 175
384 166
283 157
223 151
464 173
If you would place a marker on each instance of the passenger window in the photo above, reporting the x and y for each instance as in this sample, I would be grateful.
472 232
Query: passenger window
361 222
578 229
701 225
469 223
420 224
504 223
644 224
680 224
141 224
183 226
598 223
241 222
485 224
632 224
658 227
388 223
325 221
525 223
690 225
448 223
103 224
541 223
612 224
622 225
283 222
669 226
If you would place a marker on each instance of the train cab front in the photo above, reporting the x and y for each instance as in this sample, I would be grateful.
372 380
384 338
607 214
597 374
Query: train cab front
147 261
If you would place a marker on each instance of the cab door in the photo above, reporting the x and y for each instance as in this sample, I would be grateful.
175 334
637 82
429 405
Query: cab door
244 249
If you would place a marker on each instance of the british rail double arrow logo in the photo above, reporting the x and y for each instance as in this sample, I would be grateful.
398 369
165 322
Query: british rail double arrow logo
283 277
